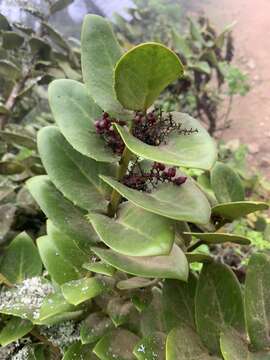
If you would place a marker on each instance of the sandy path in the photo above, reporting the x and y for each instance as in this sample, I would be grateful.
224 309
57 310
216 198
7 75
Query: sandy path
251 114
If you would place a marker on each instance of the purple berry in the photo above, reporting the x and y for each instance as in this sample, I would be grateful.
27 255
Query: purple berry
171 172
180 180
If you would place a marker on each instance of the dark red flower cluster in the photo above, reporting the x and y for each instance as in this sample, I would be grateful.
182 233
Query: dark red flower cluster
154 127
105 128
146 181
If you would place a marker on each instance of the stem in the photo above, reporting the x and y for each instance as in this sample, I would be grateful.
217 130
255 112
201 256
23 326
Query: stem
123 166
195 246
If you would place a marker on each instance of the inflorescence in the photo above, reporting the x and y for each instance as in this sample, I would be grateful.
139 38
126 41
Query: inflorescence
153 128
104 127
138 179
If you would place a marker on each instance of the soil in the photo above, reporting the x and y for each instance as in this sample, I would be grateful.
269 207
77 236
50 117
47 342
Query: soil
250 114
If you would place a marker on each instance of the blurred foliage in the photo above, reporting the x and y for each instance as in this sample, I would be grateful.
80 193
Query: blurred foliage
30 58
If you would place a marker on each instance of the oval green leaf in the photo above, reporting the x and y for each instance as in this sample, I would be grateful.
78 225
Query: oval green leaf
172 266
197 150
178 303
220 238
184 344
69 171
184 203
75 112
21 260
234 210
134 231
78 291
64 215
257 301
100 53
218 304
226 184
67 247
143 72
15 329
59 269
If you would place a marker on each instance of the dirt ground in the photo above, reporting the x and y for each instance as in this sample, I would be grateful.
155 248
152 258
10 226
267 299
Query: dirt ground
250 114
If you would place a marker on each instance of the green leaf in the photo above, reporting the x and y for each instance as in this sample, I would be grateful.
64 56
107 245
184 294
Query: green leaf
143 72
233 346
181 45
67 247
100 267
94 327
178 302
56 37
75 113
226 184
64 215
53 306
4 24
151 347
135 232
11 40
201 66
220 238
257 300
197 150
218 304
184 344
15 329
152 317
184 203
172 266
117 345
195 32
78 291
40 47
9 70
69 171
198 257
21 260
79 351
60 5
100 52
18 139
134 283
60 269
235 210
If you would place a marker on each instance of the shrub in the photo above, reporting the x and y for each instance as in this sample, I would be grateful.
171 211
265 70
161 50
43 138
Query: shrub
122 219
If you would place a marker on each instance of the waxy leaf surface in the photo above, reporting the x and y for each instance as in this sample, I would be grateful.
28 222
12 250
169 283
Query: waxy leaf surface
226 184
75 113
184 203
143 72
234 210
218 304
196 150
74 174
100 53
135 232
172 266
64 215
